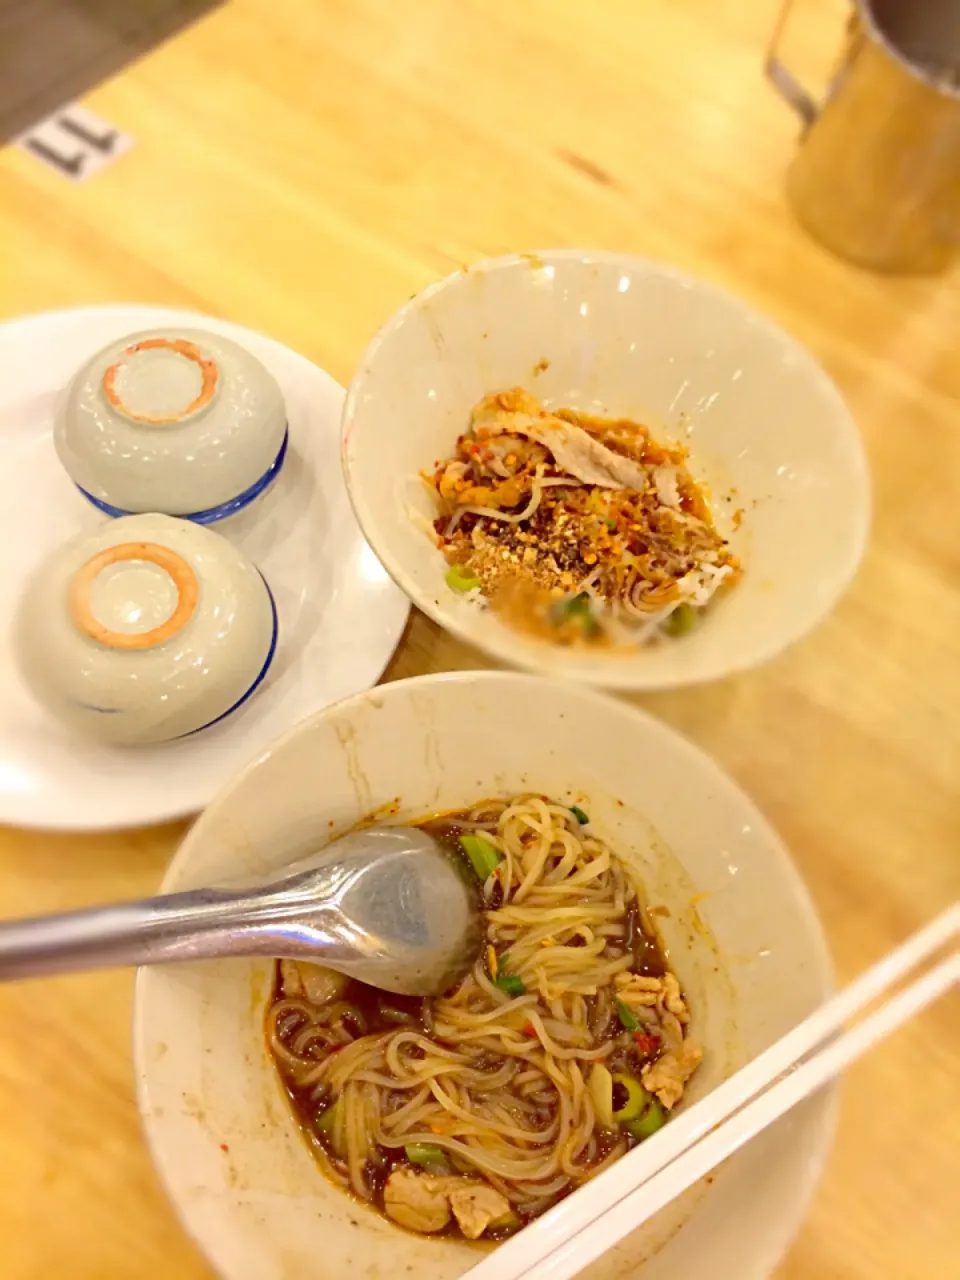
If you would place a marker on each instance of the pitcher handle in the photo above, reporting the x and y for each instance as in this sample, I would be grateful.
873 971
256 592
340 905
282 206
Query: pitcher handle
782 78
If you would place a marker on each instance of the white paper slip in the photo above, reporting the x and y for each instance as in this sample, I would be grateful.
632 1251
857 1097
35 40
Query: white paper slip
75 142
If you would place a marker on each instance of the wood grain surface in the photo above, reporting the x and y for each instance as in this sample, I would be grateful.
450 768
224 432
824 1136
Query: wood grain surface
302 168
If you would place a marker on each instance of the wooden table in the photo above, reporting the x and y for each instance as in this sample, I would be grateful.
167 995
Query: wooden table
341 156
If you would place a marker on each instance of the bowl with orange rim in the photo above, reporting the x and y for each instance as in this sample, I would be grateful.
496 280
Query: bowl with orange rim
145 629
184 422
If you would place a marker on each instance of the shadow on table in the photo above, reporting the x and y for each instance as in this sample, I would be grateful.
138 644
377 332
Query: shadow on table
54 51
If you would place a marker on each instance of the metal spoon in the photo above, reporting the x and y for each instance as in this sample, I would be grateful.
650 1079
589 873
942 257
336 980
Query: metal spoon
387 905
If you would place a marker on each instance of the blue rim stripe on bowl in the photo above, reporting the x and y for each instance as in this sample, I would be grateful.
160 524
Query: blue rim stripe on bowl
212 514
267 663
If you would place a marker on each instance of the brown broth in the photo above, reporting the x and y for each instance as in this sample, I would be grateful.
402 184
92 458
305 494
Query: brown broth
380 1011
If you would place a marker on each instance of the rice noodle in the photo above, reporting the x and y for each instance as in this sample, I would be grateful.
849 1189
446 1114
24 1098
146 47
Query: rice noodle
500 1084
539 484
627 538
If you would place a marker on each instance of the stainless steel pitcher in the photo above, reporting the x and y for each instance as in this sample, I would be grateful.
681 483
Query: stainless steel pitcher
877 175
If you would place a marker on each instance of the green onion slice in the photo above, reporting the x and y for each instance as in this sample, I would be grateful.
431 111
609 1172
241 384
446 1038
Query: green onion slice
459 578
649 1122
424 1153
510 983
637 1098
484 857
627 1017
682 621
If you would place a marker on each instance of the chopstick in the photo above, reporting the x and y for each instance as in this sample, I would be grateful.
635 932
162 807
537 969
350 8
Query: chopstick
572 1234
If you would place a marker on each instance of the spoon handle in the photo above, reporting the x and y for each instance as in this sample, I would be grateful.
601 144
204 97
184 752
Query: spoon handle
197 925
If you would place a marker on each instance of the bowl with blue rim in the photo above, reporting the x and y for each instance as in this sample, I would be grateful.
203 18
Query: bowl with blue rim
145 629
182 422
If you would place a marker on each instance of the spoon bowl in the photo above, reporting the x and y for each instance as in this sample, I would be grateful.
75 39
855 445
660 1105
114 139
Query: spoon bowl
387 905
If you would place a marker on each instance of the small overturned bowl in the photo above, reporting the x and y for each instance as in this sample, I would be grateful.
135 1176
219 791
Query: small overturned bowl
149 628
180 421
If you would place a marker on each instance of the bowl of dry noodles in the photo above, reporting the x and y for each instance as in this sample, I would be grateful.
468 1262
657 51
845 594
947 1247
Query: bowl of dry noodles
645 934
597 467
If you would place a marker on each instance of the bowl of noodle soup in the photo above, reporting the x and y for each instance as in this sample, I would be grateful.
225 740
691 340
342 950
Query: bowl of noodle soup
674 872
567 1044
597 467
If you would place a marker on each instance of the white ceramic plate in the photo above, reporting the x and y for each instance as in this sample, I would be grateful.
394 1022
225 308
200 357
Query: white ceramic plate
340 616
610 334
742 934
